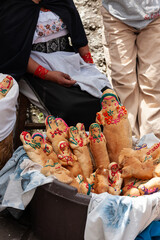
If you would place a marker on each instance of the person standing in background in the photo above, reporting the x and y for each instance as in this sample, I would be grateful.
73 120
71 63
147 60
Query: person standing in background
131 40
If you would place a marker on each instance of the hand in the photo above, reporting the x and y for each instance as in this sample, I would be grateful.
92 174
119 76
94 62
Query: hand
60 78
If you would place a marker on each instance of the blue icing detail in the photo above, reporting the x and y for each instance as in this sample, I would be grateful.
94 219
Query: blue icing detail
114 212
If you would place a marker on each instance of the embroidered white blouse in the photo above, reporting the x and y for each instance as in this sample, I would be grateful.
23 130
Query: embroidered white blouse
49 26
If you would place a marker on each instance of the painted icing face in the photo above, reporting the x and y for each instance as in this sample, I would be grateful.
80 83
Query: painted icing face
38 138
81 129
61 124
95 129
64 147
114 167
74 132
6 83
50 120
108 102
26 136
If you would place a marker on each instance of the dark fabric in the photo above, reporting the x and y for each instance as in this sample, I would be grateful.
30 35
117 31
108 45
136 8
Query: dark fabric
18 19
54 45
72 104
152 232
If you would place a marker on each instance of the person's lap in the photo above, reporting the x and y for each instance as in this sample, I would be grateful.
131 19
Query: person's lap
72 104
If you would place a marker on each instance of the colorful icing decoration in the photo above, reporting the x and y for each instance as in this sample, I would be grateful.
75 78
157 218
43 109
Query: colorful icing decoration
80 150
98 146
40 139
95 133
66 157
85 187
49 120
5 86
114 178
150 187
57 131
75 137
116 127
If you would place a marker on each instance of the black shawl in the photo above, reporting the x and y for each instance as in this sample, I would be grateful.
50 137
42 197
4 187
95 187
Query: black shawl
18 19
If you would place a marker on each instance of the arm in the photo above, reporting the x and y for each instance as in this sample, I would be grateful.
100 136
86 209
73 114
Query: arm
54 76
85 54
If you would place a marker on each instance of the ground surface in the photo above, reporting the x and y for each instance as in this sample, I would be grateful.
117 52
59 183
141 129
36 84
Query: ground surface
11 229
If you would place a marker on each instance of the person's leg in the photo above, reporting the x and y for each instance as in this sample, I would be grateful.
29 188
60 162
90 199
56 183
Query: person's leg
148 44
121 53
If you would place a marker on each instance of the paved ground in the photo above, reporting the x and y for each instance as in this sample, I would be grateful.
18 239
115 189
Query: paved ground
12 229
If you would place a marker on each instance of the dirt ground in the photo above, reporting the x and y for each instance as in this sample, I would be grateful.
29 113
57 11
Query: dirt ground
90 12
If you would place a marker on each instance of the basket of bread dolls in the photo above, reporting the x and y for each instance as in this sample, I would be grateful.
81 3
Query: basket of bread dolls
8 99
102 163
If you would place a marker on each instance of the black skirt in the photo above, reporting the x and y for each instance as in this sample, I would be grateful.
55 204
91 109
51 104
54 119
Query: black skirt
71 104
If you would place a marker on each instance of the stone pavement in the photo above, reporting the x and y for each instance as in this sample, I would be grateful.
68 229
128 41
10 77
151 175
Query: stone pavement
12 229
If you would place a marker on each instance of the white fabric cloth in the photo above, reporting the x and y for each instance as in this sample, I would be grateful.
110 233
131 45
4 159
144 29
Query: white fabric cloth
49 26
122 217
19 179
88 77
8 109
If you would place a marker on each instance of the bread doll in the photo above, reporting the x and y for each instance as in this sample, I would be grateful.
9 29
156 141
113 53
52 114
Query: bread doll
47 148
152 186
56 131
80 150
85 137
68 159
136 164
84 187
5 86
154 151
101 183
62 174
116 127
115 179
33 149
82 133
98 146
130 187
91 181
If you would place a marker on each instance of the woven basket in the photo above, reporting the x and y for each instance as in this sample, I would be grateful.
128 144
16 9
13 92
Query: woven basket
6 149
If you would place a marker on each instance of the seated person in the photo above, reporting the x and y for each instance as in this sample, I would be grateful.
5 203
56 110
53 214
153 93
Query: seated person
47 47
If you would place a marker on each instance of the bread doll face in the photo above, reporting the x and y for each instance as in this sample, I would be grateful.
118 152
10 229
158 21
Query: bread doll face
7 82
95 129
26 136
38 137
73 132
61 124
81 129
50 120
64 147
113 167
109 102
